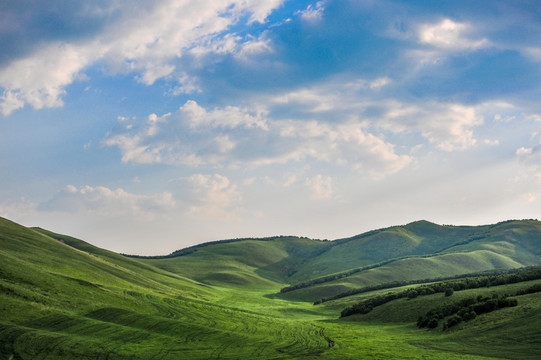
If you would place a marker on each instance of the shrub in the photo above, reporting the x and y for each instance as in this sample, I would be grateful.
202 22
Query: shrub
453 320
433 323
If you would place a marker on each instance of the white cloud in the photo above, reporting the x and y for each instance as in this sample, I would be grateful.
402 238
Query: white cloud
187 85
446 125
320 186
226 45
40 80
254 46
533 53
228 117
259 9
451 128
135 147
17 209
343 144
241 48
449 35
339 122
224 143
333 123
313 13
530 156
108 202
290 180
145 40
216 197
10 101
491 142
530 197
380 82
524 152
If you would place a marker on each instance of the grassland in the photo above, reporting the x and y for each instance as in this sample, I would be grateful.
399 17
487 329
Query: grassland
62 298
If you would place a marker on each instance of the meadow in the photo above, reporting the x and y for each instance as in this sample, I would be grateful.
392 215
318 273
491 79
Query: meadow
62 298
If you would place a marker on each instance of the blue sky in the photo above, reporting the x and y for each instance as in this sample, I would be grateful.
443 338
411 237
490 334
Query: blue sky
144 127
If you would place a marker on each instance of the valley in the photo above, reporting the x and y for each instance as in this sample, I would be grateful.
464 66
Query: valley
61 297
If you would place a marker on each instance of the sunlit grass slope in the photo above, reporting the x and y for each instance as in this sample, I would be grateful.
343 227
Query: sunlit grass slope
513 333
423 250
251 263
61 302
433 267
414 251
517 239
62 298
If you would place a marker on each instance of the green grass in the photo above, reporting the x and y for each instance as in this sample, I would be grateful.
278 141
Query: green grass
408 269
68 300
506 333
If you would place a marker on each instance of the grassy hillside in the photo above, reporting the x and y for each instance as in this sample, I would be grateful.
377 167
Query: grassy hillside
249 263
59 301
445 265
512 332
414 251
517 239
62 298
426 250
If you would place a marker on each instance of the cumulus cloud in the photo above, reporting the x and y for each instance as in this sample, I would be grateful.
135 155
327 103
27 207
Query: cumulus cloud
145 40
450 35
320 186
228 117
216 197
242 48
449 126
380 82
196 136
17 209
133 142
442 39
336 123
530 156
313 13
343 144
191 136
40 80
105 201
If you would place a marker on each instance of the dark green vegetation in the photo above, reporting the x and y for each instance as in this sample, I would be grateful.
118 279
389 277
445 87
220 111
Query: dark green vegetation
61 297
448 288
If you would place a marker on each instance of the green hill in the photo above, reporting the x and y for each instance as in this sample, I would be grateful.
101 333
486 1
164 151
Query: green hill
424 250
415 251
62 298
511 331
254 263
59 301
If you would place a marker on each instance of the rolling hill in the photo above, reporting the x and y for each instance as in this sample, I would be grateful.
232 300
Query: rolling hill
317 269
61 297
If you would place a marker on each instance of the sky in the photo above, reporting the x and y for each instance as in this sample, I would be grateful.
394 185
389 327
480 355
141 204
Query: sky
144 127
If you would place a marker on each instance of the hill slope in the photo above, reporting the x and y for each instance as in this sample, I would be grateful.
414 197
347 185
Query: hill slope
58 301
419 250
61 297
